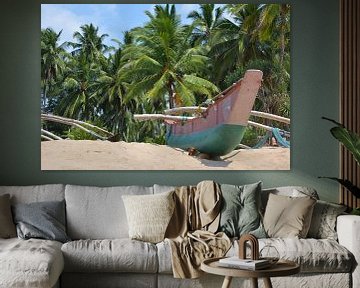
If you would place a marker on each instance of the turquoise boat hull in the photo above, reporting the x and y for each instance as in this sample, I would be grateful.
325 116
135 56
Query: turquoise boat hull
215 141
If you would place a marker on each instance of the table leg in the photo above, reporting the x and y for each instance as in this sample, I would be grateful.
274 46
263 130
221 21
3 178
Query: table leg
254 282
227 282
267 283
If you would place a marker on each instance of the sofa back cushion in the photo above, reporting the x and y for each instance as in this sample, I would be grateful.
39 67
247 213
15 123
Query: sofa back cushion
290 191
36 193
98 212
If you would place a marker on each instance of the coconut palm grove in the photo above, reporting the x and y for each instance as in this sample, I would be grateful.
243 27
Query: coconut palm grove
164 64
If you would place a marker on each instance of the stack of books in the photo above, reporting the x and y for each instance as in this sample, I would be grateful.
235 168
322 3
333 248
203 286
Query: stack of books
248 264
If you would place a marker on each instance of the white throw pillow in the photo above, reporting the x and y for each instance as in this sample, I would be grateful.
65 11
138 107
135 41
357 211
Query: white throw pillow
149 215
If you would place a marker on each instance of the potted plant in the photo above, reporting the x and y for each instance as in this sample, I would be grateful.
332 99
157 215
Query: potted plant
351 141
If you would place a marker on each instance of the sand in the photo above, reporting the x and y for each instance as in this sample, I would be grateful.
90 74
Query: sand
104 155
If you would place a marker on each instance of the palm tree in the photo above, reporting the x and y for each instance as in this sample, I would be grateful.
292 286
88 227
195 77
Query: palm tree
234 45
275 21
205 22
162 63
110 89
89 44
52 60
77 97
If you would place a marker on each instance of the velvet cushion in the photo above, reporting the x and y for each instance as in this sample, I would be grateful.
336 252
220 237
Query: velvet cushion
149 215
43 220
240 213
7 226
323 222
288 217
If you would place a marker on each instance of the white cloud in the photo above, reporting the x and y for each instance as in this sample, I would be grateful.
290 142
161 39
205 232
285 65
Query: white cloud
185 9
60 18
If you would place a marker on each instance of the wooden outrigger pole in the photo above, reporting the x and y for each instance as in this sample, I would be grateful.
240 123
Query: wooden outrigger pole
199 110
76 123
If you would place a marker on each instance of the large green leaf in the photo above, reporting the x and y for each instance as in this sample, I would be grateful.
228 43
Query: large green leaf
348 138
347 184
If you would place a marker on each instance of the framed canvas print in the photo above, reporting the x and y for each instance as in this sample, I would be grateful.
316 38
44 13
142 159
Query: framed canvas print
165 86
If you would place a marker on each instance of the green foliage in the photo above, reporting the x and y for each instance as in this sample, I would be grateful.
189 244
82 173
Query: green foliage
351 141
348 138
75 133
251 137
274 94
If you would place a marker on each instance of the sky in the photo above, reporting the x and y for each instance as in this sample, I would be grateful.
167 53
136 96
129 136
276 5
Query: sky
112 19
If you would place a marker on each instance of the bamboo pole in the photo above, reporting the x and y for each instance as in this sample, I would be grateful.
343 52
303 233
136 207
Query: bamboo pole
46 138
144 117
267 128
71 123
49 134
197 109
50 117
270 116
189 109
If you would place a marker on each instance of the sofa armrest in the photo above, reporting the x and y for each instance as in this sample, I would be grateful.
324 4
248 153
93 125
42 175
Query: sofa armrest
348 230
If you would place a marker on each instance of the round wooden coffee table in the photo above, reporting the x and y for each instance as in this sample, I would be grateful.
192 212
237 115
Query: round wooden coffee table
281 268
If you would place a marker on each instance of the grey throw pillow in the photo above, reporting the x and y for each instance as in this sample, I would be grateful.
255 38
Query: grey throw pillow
44 220
7 227
240 213
323 222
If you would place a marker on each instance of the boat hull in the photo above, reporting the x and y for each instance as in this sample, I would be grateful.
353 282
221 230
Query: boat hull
215 141
221 127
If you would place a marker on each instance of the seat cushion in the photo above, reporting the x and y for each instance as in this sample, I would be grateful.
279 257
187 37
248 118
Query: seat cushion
30 263
313 255
117 255
98 213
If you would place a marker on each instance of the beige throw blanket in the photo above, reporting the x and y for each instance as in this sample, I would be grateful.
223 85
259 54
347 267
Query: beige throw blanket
191 231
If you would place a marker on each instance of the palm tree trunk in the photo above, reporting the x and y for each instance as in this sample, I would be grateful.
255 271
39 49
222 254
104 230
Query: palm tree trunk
171 95
282 32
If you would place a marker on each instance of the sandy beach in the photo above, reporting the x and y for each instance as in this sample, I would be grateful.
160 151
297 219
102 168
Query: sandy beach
104 155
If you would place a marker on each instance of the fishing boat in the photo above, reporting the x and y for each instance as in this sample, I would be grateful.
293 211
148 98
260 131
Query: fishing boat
220 127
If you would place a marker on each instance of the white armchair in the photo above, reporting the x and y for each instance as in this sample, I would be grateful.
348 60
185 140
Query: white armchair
348 229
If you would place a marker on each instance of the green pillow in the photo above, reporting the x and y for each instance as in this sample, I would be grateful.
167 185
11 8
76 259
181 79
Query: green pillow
240 212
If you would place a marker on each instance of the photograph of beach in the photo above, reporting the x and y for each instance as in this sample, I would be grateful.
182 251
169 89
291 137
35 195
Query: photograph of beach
165 87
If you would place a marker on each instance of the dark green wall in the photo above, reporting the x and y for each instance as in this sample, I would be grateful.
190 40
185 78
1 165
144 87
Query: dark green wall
314 82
